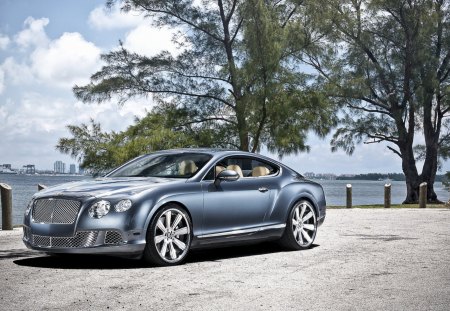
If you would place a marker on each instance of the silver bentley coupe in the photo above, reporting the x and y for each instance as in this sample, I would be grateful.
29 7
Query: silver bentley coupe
161 205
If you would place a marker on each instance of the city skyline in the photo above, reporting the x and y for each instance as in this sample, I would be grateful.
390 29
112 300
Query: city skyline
59 167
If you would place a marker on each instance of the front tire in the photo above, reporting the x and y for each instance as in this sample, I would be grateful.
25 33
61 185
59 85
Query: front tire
169 237
301 227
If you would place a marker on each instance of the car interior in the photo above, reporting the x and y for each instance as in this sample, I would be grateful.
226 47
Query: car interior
245 167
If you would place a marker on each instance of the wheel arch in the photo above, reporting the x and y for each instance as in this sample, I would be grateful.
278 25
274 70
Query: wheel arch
286 200
303 197
160 206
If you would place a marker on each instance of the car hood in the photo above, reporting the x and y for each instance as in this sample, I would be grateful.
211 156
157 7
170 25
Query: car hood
101 187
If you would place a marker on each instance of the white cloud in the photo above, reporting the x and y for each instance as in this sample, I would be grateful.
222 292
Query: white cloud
2 80
33 34
66 61
33 123
4 42
102 18
148 40
17 73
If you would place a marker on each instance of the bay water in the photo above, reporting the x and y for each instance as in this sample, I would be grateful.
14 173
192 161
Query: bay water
364 192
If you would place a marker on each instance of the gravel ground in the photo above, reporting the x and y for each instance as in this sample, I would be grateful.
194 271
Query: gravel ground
363 259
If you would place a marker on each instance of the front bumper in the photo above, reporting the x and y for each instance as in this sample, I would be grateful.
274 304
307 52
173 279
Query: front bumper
108 242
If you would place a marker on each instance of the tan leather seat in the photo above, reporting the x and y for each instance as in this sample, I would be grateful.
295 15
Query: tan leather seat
219 168
260 171
188 167
235 168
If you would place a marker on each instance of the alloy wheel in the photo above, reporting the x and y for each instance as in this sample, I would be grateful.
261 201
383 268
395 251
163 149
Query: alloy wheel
304 224
172 235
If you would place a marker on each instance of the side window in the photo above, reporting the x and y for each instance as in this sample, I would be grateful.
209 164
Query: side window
213 172
262 169
245 167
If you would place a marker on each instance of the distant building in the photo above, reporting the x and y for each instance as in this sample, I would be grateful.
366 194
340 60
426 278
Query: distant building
30 169
326 176
72 169
6 169
59 167
309 175
80 170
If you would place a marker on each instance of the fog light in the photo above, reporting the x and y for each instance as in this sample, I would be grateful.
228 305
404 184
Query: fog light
99 209
123 206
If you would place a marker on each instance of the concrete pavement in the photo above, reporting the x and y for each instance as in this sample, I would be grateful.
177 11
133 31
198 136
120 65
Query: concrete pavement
363 259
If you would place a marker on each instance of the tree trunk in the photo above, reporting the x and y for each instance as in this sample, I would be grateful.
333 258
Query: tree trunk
410 170
242 126
413 179
429 171
412 185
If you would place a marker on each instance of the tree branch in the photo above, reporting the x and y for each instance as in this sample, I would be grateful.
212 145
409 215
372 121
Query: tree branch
208 119
184 20
395 151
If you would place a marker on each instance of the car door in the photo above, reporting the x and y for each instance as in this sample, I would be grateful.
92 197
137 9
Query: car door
235 207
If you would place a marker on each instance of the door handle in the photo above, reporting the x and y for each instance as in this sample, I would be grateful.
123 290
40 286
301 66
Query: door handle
263 189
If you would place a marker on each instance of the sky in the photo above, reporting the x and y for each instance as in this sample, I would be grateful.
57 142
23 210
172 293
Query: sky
48 46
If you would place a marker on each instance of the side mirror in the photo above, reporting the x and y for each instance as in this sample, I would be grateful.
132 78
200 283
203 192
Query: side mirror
227 175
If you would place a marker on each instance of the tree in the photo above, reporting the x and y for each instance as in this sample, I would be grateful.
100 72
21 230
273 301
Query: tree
99 151
388 62
236 77
88 145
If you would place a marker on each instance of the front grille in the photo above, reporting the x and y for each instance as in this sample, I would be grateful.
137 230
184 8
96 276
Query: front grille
81 239
113 237
55 211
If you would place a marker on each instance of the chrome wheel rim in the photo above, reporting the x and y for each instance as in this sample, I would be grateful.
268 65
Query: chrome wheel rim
304 224
172 235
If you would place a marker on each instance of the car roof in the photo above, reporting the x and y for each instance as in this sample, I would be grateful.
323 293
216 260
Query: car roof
202 150
217 152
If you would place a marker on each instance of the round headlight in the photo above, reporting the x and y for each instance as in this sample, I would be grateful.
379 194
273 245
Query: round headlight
123 206
28 210
99 209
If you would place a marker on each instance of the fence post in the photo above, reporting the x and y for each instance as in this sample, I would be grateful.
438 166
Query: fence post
387 195
41 187
423 195
6 199
349 196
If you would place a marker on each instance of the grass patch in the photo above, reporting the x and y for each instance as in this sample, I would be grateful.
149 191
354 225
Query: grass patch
392 206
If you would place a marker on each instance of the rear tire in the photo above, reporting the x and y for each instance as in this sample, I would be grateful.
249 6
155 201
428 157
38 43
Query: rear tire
301 227
169 237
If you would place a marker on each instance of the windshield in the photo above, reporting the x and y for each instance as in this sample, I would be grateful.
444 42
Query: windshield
181 165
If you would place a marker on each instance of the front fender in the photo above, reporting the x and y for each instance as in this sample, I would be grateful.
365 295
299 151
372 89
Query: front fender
191 199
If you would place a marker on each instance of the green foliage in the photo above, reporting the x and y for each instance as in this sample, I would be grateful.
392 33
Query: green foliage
89 145
236 82
387 63
99 152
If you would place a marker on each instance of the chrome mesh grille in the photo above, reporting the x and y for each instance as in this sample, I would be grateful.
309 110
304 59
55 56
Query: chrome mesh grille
81 239
113 237
55 211
40 240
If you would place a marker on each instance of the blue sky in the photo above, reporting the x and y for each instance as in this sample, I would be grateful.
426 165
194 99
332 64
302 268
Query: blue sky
48 46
